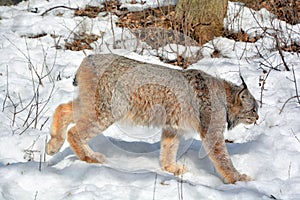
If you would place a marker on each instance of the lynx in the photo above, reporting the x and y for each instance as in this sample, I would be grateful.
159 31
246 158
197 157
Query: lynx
113 89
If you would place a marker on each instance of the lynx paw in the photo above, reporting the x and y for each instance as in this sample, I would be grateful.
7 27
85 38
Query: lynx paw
94 158
52 147
237 177
176 169
245 177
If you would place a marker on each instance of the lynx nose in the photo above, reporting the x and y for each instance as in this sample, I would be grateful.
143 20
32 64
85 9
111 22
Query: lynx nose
257 117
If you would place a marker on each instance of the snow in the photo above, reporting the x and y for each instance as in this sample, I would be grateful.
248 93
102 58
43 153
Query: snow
269 152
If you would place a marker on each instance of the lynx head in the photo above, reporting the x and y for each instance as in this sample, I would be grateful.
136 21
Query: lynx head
244 107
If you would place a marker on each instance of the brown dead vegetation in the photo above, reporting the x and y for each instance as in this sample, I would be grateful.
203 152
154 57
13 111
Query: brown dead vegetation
88 11
159 26
286 10
81 42
240 36
164 18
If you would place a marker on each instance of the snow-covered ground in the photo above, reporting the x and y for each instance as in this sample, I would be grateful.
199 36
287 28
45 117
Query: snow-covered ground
268 152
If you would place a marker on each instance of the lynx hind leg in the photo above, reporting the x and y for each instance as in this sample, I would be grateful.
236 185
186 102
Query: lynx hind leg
62 117
219 155
169 146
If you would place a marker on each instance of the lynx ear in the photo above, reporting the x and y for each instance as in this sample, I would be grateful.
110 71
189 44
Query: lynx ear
243 82
244 86
241 91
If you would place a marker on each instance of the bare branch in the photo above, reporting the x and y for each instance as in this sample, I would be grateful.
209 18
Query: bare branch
55 7
296 87
287 102
36 105
280 53
269 64
262 88
155 180
295 136
293 97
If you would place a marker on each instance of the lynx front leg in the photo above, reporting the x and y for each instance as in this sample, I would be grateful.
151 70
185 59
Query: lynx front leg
63 116
78 137
169 146
218 153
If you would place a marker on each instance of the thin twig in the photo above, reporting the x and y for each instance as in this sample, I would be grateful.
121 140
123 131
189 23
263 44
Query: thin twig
26 56
66 7
41 128
275 36
41 110
289 171
296 87
295 136
36 194
293 97
7 94
262 88
37 108
265 59
280 53
286 103
154 189
40 163
113 31
32 66
180 186
36 105
46 139
73 30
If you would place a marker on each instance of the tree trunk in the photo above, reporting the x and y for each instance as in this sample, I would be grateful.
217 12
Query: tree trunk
201 19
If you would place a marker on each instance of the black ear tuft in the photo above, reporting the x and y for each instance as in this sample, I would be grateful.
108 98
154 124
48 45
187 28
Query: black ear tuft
75 83
244 84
